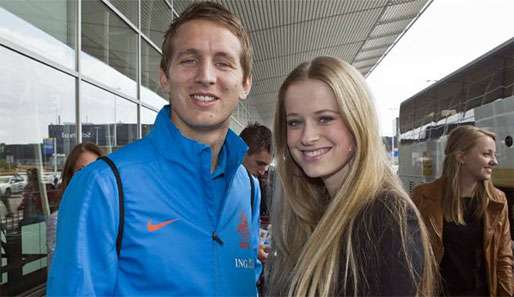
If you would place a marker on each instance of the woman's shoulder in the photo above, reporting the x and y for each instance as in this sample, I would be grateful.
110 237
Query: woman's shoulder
430 191
499 196
390 208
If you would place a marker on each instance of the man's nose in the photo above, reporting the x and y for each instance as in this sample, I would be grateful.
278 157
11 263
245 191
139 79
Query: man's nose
206 74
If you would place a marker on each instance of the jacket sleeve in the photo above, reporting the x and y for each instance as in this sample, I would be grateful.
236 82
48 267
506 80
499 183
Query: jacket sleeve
85 260
504 262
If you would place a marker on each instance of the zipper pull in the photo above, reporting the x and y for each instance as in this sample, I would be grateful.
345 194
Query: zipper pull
216 238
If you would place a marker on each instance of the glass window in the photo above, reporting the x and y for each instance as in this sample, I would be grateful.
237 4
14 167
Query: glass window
37 112
44 27
147 120
151 91
126 122
156 16
109 48
127 8
107 120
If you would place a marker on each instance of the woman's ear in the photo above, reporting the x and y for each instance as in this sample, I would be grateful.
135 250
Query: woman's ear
460 156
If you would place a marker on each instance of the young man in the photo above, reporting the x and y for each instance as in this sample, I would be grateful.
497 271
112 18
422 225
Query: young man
259 155
189 226
258 159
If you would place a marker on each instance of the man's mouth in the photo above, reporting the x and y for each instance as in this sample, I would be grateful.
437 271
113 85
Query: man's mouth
203 99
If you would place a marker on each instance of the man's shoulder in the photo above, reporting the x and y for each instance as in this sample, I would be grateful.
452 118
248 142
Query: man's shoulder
138 152
242 174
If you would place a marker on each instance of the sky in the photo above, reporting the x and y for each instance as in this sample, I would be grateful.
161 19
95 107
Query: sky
447 36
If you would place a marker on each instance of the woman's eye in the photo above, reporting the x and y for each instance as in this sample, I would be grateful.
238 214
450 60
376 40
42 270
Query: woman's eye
293 123
325 119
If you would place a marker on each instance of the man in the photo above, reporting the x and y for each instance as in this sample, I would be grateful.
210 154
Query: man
259 155
258 159
190 228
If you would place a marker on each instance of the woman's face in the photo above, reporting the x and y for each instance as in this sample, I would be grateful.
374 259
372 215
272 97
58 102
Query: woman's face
84 159
479 162
317 137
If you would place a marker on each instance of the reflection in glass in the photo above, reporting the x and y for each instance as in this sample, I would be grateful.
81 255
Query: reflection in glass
126 122
127 8
107 120
34 100
151 91
156 16
147 120
109 48
44 27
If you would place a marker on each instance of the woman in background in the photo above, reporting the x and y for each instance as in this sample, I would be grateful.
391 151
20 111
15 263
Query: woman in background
80 156
468 218
345 226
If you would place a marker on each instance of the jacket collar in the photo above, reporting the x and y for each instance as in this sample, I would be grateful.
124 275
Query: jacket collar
435 193
174 146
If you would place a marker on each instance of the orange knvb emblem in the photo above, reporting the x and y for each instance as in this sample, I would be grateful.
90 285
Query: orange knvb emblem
154 227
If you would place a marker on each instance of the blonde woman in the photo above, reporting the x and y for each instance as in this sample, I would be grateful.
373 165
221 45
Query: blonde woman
345 227
467 218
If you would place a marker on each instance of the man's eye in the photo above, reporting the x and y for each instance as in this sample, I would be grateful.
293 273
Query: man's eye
224 65
187 61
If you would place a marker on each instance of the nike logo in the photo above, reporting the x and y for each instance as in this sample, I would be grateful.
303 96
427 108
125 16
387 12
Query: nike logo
155 227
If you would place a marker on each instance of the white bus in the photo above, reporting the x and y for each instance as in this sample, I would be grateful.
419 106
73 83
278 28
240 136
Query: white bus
481 94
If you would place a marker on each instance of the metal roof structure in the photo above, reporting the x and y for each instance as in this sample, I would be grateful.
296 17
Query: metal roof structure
285 33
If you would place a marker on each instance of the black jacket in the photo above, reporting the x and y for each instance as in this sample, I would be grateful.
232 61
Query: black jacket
381 258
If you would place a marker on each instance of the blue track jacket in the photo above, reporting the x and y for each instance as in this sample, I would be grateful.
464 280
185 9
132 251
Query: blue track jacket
168 247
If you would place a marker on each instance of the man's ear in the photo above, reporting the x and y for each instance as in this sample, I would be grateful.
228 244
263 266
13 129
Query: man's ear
163 78
247 86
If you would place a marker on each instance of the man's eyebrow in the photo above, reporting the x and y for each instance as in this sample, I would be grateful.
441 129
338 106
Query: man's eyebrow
189 51
224 55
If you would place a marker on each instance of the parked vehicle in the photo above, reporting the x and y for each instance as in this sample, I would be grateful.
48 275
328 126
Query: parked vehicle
11 185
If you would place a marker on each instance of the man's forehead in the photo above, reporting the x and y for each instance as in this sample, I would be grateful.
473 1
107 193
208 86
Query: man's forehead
195 33
263 156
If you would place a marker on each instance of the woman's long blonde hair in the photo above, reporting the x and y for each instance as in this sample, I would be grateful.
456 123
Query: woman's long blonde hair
460 141
310 229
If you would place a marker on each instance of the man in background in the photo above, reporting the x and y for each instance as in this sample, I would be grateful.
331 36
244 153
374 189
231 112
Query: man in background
258 160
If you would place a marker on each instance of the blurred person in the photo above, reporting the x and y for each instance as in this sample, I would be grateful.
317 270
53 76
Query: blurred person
7 204
190 228
258 160
467 218
80 156
345 226
31 203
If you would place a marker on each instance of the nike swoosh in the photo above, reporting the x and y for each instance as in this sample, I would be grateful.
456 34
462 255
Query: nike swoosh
154 227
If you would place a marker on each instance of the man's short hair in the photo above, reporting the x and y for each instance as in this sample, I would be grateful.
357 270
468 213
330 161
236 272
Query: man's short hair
257 137
216 13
